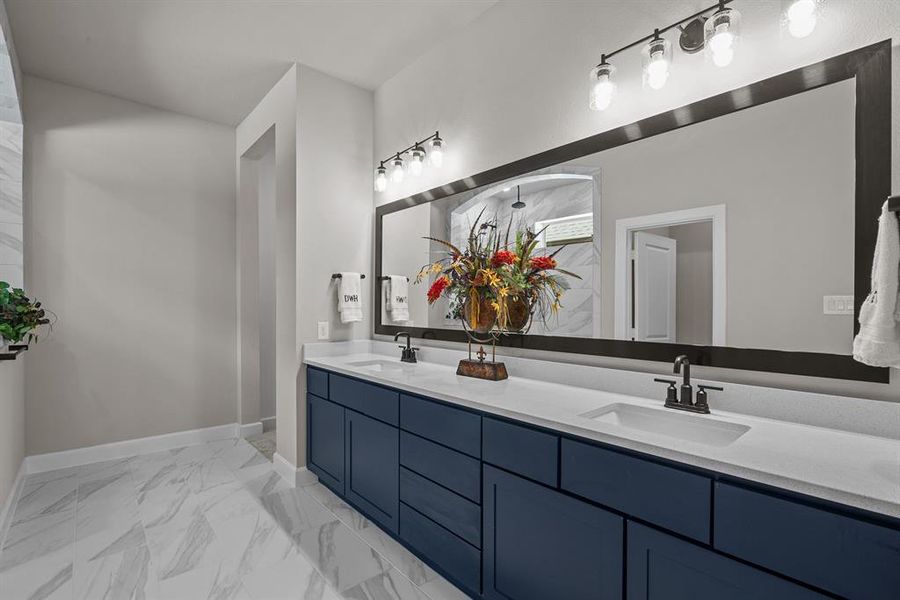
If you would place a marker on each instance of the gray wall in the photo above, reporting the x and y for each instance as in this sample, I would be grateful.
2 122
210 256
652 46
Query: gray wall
130 239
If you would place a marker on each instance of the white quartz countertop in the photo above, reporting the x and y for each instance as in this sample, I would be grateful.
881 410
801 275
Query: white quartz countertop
854 469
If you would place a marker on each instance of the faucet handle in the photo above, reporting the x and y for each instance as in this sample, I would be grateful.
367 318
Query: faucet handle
671 391
702 397
710 387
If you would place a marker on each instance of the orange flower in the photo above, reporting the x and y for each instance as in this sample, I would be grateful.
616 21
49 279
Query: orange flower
437 288
542 263
503 257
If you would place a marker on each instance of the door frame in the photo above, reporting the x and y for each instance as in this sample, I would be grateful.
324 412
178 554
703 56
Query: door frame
625 229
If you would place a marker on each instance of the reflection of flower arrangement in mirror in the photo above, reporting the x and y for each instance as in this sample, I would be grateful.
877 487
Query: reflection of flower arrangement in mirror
497 282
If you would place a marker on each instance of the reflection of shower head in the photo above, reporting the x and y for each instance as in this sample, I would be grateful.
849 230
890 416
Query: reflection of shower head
518 204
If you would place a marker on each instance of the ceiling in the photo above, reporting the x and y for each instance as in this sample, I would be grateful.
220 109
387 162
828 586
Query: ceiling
215 59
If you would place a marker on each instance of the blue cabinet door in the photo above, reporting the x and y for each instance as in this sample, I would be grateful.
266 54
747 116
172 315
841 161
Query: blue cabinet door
325 441
662 567
539 543
373 468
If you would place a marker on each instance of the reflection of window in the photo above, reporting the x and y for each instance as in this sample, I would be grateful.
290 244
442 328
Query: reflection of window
574 229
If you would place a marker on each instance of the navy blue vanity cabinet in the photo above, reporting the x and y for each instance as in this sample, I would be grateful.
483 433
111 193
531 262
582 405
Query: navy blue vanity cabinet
373 468
663 567
325 441
835 552
540 543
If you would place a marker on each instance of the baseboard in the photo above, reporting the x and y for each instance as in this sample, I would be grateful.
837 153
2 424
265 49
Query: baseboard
297 477
91 454
11 499
268 423
246 430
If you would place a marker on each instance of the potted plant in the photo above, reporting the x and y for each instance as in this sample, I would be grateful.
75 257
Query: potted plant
20 317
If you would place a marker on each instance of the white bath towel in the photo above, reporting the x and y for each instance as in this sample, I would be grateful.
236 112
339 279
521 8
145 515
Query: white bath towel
396 298
350 298
878 341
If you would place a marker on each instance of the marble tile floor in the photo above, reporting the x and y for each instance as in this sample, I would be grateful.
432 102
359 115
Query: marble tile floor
211 521
264 443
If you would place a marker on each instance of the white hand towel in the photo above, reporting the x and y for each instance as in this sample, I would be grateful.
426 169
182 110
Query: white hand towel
878 341
350 298
397 301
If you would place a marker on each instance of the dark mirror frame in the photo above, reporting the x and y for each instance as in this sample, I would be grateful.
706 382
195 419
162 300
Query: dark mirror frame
871 68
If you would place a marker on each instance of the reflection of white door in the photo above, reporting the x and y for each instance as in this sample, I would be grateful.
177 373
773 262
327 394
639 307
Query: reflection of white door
654 288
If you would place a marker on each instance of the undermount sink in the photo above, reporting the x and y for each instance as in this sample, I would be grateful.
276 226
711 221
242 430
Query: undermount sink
381 366
693 428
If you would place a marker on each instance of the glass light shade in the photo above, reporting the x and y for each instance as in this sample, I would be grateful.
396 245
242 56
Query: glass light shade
721 34
801 17
603 88
397 173
436 155
380 179
657 60
416 161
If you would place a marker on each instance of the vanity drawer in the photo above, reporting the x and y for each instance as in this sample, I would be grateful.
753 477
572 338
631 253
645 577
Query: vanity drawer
673 499
460 561
524 451
842 555
372 400
317 382
442 506
458 429
451 469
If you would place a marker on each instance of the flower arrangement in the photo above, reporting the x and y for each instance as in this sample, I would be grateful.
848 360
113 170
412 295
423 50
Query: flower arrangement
20 317
497 283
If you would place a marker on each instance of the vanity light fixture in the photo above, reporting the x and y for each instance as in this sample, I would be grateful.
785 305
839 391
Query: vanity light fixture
436 156
801 17
417 157
416 161
603 88
721 33
397 173
657 56
381 181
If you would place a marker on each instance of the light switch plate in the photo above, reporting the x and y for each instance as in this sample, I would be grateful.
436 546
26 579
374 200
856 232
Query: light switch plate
323 330
837 305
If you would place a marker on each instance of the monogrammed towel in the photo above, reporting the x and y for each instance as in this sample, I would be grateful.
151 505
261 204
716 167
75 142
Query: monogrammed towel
350 298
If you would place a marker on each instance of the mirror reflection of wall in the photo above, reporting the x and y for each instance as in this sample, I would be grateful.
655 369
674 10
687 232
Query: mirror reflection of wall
773 186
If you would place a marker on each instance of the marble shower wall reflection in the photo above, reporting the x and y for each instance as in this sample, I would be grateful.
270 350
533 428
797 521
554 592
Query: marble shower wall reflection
11 240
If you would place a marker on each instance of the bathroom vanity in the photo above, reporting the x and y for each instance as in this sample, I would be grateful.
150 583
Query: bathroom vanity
532 489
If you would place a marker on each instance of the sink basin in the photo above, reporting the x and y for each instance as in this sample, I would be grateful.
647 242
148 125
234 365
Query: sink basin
668 422
381 366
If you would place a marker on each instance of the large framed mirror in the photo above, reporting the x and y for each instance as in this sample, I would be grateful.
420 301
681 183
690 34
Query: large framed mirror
738 230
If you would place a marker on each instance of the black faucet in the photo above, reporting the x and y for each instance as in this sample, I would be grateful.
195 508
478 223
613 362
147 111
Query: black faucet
686 402
409 353
687 391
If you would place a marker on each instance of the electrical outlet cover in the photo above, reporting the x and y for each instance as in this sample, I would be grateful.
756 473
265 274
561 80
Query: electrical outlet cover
323 330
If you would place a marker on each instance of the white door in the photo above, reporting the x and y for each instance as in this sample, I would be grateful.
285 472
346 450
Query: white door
654 288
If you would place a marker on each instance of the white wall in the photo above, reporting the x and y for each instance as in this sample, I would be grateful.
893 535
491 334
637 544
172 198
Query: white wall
335 216
278 111
514 83
130 220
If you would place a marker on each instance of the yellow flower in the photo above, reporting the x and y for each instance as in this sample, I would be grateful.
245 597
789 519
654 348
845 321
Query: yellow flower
492 278
504 292
436 267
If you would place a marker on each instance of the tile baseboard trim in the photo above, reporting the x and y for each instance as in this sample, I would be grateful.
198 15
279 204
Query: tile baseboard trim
245 430
51 461
296 476
268 423
14 492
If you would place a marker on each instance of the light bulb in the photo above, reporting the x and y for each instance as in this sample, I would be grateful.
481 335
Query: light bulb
657 71
603 88
721 33
416 161
801 17
436 155
380 178
397 172
657 58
